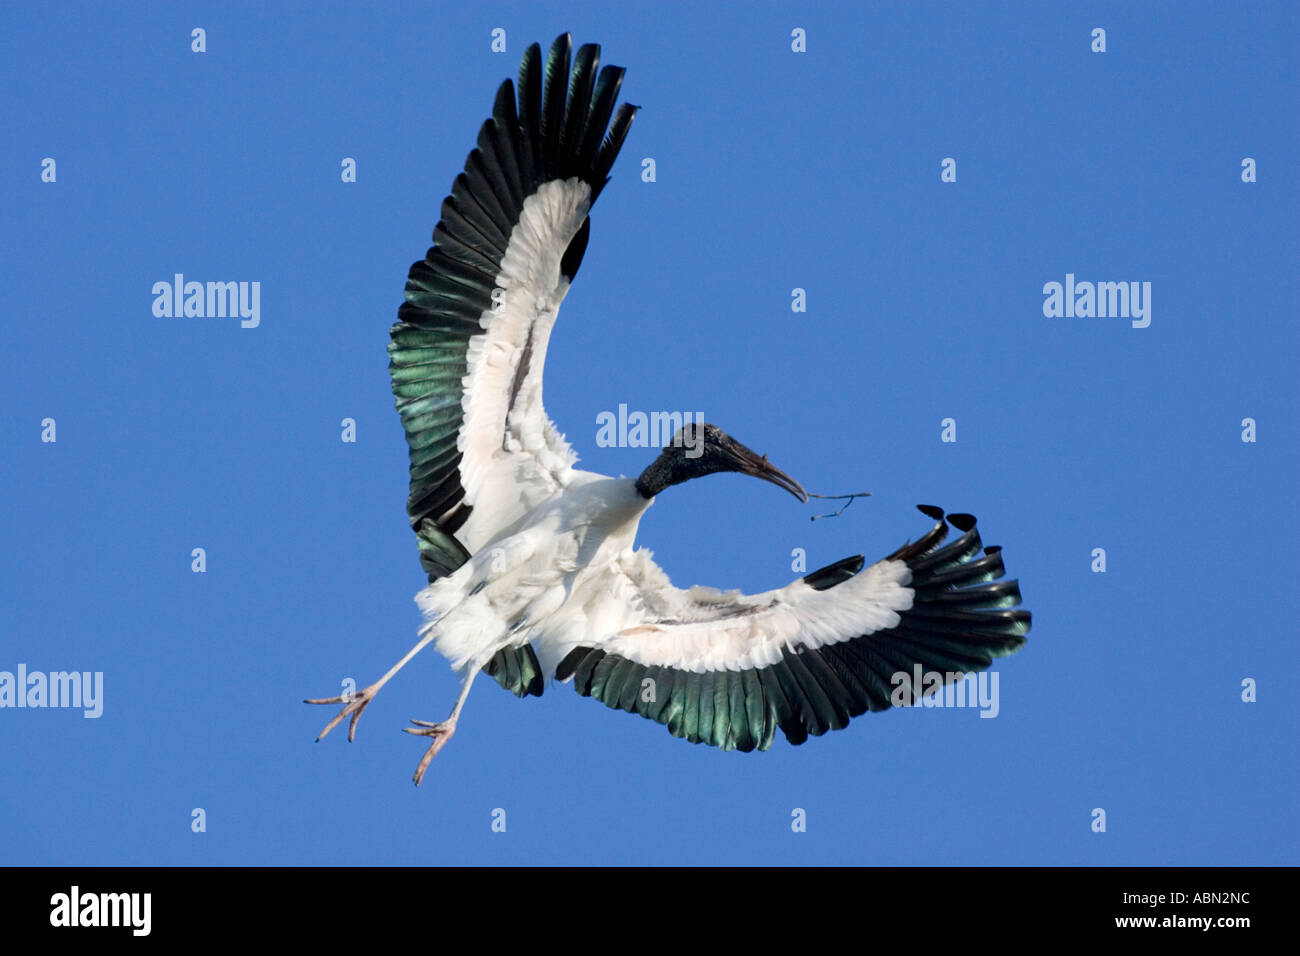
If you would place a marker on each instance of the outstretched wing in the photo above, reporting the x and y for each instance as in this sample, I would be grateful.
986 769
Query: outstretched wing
728 669
468 351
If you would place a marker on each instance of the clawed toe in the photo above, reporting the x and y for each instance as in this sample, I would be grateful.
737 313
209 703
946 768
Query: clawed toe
440 732
355 704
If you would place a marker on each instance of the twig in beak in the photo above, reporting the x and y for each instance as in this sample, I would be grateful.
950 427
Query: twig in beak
836 514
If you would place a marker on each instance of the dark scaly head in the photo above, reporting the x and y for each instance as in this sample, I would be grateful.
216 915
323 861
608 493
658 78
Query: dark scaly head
702 449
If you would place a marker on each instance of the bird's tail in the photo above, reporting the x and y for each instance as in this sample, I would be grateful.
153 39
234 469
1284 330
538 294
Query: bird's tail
517 670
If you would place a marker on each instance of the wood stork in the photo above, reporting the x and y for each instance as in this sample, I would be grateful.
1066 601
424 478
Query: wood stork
531 566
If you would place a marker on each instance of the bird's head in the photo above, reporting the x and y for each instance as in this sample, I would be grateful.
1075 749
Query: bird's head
702 449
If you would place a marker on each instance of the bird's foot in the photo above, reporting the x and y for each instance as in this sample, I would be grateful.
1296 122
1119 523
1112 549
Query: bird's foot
354 705
440 732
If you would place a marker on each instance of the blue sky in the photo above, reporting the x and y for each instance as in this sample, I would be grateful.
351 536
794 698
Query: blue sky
775 170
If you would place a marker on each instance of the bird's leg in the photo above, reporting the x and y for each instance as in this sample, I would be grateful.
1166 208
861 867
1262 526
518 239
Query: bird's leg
440 732
356 703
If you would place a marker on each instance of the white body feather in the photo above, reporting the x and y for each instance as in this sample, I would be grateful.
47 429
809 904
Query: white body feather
570 577
552 560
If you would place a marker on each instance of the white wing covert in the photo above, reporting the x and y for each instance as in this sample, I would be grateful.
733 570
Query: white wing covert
467 353
728 669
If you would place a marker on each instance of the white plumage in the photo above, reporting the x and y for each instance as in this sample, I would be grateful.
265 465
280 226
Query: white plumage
533 571
514 458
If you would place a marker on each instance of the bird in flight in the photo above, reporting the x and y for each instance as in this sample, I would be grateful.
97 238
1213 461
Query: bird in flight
533 574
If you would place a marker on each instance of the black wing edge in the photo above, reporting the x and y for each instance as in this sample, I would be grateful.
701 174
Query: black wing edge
962 618
569 128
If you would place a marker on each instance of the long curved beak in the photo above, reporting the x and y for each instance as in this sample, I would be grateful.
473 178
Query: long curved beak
751 463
